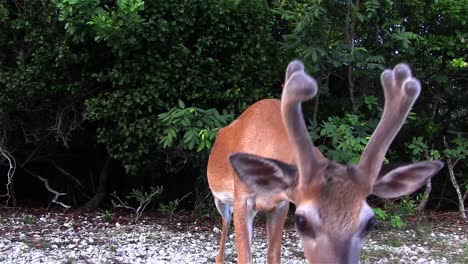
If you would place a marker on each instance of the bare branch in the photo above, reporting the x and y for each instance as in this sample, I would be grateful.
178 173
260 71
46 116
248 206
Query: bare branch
33 153
427 191
31 137
121 204
17 5
5 154
78 185
11 171
63 126
47 186
143 199
450 166
458 133
64 172
3 138
425 198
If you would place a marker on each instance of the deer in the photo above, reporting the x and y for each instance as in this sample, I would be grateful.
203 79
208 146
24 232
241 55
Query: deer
265 160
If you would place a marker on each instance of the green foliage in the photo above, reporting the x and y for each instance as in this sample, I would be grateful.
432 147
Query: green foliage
38 89
459 63
343 139
407 206
29 220
322 34
457 153
380 214
119 64
73 12
185 128
458 149
417 147
125 65
352 41
143 199
3 12
223 59
405 38
106 215
370 102
171 206
393 219
117 26
396 221
199 127
203 203
394 212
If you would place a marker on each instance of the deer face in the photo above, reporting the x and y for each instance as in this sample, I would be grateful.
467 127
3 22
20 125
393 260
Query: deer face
334 221
333 218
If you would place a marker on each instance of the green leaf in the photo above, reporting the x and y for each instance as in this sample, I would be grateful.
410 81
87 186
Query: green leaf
201 146
181 104
314 56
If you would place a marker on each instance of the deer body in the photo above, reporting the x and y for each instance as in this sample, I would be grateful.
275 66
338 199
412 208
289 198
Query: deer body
250 133
266 159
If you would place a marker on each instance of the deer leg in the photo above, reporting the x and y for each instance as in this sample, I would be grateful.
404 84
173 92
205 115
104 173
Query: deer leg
225 210
275 225
244 213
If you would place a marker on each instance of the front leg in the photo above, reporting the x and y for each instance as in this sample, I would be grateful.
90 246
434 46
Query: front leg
275 225
244 212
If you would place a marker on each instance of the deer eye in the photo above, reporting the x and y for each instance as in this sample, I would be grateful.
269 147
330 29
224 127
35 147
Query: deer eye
304 227
369 226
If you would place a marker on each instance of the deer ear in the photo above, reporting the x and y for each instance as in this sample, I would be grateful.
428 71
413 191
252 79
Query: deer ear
405 179
264 176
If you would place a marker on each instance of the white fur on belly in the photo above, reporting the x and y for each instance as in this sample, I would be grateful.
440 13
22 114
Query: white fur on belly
225 197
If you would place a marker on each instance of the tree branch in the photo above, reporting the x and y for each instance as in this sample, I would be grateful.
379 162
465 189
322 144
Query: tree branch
102 186
33 153
64 172
10 173
47 186
427 191
64 127
450 166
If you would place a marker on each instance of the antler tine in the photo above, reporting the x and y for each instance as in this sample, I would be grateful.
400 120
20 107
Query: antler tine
400 90
299 87
294 66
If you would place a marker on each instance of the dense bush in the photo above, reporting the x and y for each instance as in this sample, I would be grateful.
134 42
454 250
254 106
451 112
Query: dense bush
212 53
346 44
118 65
118 94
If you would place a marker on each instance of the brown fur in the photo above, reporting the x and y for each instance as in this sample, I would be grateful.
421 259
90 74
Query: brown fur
330 193
250 133
340 201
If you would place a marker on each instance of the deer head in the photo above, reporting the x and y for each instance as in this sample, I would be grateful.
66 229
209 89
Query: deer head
333 218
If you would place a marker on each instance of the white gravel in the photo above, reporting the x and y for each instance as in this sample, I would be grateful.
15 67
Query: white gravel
86 238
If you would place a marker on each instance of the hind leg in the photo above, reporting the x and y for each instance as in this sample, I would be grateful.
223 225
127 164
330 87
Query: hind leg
225 210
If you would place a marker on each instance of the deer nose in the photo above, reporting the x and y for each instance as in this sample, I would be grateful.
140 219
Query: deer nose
333 252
